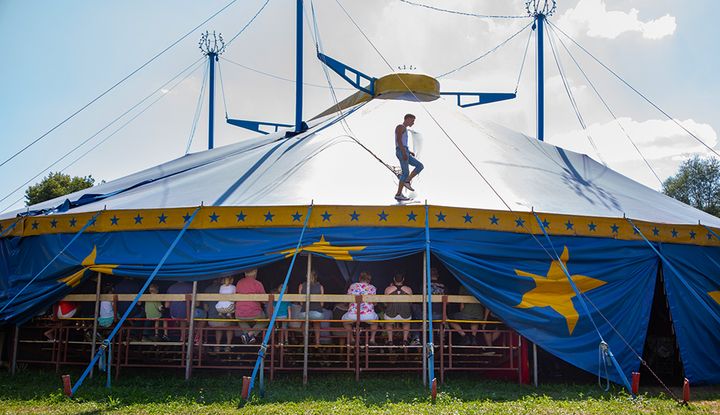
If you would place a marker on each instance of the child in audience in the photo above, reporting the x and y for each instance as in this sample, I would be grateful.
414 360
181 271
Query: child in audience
226 309
153 314
107 309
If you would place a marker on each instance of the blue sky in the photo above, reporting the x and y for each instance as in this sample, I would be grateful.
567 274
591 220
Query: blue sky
60 55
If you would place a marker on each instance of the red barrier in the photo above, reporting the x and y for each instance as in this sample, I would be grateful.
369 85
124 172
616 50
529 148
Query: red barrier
67 386
686 391
635 382
433 390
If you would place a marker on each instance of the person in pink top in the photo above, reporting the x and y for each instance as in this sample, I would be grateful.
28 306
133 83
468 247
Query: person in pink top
367 310
250 310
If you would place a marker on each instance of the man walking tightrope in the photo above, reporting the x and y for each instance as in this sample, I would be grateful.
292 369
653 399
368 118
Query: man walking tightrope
406 157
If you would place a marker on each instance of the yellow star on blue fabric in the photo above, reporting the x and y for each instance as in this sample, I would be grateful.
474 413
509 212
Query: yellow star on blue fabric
412 216
296 217
213 218
715 295
382 216
269 216
326 216
354 216
340 253
554 290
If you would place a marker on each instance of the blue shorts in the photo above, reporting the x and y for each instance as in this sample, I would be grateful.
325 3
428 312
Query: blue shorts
404 164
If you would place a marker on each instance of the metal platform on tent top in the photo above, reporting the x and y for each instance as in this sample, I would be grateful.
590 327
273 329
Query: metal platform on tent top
60 343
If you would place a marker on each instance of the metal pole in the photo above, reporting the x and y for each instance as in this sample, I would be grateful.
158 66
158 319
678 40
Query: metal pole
191 333
212 56
425 317
307 319
535 366
93 346
540 19
298 65
16 338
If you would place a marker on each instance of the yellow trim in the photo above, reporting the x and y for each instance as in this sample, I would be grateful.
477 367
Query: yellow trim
407 82
426 86
329 216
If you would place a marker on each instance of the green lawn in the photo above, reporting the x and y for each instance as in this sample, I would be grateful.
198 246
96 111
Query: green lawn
165 392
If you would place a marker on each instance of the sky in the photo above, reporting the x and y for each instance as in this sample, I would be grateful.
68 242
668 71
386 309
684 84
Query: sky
62 55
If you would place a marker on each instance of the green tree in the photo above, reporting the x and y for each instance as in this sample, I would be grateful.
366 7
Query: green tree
697 183
55 185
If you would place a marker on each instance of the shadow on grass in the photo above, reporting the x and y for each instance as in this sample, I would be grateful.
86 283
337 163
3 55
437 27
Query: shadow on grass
167 387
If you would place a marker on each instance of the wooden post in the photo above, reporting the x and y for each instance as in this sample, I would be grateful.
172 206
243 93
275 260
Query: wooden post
425 318
307 319
358 301
16 337
191 333
93 346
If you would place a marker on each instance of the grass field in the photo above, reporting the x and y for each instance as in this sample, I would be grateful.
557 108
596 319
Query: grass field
165 392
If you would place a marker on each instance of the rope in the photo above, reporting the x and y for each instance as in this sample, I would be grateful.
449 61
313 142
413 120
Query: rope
106 343
343 122
9 228
522 65
430 346
103 129
252 19
481 16
573 102
198 109
271 326
637 355
62 251
607 107
483 55
258 71
117 83
673 269
636 91
222 89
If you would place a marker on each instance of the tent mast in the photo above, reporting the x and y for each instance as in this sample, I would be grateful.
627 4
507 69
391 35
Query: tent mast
298 65
539 20
540 10
212 46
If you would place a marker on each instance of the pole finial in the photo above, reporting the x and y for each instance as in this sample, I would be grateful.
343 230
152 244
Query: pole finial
211 43
540 7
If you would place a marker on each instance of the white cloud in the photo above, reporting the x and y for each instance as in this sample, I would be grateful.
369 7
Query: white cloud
593 18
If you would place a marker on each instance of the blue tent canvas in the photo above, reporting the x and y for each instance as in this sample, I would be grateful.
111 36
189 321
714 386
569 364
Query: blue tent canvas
491 195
